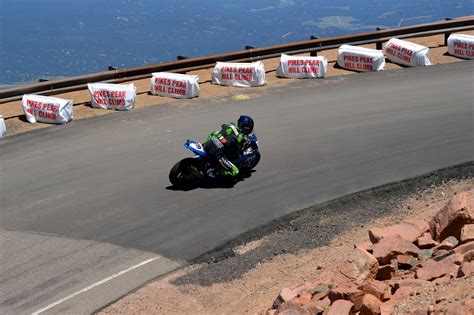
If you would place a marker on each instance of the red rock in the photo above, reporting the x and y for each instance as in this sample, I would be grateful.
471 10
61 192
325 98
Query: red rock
467 233
356 299
284 296
402 293
448 243
367 246
426 241
451 218
303 298
359 267
370 305
342 293
466 269
290 308
409 230
407 261
431 269
385 272
392 246
464 248
341 307
469 256
377 288
314 307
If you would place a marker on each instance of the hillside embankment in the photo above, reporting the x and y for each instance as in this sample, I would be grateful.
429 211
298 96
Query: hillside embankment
276 267
16 122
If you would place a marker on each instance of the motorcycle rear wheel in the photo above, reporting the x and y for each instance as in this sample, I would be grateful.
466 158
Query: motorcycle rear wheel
185 172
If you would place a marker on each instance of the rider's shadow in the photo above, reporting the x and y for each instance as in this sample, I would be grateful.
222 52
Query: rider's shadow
219 183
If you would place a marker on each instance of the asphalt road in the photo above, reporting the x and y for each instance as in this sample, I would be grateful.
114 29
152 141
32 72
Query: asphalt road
87 214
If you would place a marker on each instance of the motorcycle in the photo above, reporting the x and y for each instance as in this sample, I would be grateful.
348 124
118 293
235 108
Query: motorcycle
191 170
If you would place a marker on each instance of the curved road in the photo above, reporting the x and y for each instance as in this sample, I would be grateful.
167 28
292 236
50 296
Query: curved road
87 214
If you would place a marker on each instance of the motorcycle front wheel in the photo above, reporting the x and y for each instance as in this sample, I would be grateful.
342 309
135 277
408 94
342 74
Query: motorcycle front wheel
185 172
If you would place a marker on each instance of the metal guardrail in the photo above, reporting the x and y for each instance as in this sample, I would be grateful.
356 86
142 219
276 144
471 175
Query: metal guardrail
252 54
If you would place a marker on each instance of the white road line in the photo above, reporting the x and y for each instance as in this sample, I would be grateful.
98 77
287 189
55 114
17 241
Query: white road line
94 285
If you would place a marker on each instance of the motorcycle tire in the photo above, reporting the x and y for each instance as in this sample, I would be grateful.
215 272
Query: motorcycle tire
182 174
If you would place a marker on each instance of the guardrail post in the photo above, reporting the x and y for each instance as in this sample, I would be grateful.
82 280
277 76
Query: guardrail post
446 35
314 53
378 45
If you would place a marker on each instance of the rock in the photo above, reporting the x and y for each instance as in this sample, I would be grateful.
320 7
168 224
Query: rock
270 312
367 246
407 261
467 233
290 308
392 246
425 254
356 299
431 269
317 307
343 293
466 269
402 293
385 272
320 292
377 288
303 298
360 266
409 230
370 305
464 248
285 295
341 307
448 243
426 241
451 218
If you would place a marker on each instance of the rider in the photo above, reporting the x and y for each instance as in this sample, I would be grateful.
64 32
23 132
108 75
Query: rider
229 143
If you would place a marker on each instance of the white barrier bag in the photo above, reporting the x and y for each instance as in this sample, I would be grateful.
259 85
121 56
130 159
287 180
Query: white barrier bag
174 85
239 74
360 58
38 108
302 67
3 128
112 96
461 46
407 53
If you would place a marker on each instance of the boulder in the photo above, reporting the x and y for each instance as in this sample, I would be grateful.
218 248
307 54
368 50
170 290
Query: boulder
432 269
451 218
390 247
290 308
426 241
370 305
341 307
343 293
359 267
448 243
379 289
285 295
464 248
303 298
467 233
466 269
406 261
409 230
316 307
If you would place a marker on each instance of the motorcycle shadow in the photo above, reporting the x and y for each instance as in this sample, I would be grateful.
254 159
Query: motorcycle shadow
214 183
